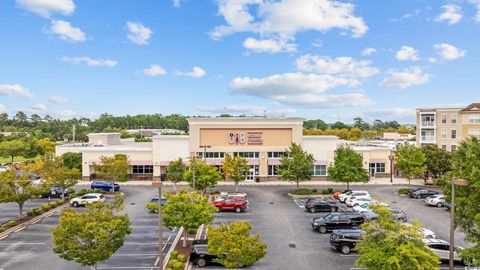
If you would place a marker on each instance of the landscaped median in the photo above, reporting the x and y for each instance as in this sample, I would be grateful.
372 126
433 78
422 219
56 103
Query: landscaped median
303 192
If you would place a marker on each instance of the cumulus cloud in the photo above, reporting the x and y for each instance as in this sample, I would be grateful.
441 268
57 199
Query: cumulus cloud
405 78
39 107
269 45
47 7
398 114
15 90
176 3
65 31
452 14
477 5
407 53
90 62
328 101
340 65
197 72
138 33
154 70
449 52
368 51
244 108
59 100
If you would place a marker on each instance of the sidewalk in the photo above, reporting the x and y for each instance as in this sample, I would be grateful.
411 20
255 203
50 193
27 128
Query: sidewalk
374 181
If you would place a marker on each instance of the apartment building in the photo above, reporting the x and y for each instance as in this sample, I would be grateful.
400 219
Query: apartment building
447 127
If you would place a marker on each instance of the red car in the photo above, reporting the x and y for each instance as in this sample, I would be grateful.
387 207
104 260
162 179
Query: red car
236 204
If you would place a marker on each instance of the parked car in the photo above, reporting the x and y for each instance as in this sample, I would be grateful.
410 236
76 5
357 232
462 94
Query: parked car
362 207
399 214
441 248
336 194
163 201
345 240
55 192
413 190
86 199
104 185
357 200
337 220
317 204
427 234
231 204
436 200
344 197
370 215
448 206
199 255
422 193
238 195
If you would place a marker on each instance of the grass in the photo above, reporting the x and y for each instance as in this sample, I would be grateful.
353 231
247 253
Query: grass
304 191
17 159
403 191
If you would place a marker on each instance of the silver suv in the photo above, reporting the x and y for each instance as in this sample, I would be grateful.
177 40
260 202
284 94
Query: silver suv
441 248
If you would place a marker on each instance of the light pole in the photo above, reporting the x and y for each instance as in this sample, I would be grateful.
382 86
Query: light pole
455 182
391 157
160 223
205 151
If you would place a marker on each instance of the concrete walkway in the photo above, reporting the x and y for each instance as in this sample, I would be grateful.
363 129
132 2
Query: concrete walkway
373 181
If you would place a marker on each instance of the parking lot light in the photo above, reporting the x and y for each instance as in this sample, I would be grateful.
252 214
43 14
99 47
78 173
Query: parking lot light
391 157
160 223
455 182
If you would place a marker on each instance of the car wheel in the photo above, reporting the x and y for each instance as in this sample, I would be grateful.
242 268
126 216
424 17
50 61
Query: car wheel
201 262
429 236
322 229
345 249
355 205
333 209
75 204
238 209
312 210
439 204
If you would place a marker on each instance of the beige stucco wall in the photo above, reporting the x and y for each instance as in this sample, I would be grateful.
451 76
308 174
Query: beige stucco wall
321 147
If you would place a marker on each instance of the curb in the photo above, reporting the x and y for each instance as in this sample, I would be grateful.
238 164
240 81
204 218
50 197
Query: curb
34 220
172 247
309 196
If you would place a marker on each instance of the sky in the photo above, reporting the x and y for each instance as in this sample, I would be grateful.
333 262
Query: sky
317 59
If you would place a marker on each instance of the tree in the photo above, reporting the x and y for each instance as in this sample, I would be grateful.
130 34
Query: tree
187 210
359 123
18 187
204 175
347 167
14 148
175 171
57 174
466 165
315 124
355 134
234 246
437 160
410 160
19 119
72 160
235 168
47 147
113 168
338 125
390 244
92 236
296 165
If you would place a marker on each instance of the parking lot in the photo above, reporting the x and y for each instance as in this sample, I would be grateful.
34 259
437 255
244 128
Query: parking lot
9 211
32 247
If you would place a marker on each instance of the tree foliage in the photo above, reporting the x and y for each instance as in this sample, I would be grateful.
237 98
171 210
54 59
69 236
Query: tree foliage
410 160
72 160
390 244
113 168
56 174
204 175
296 165
234 246
14 148
360 123
315 124
175 171
437 160
235 168
47 147
92 236
347 167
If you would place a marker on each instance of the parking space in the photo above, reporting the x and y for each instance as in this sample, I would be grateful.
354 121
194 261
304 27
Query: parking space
300 202
9 211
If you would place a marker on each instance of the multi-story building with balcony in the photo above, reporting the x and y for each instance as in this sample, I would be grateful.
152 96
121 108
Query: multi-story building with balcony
447 127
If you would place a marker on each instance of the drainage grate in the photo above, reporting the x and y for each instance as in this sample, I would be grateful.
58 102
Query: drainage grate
270 202
292 245
132 203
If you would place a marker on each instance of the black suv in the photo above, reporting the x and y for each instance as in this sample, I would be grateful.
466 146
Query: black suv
345 240
199 255
336 221
55 192
316 204
422 193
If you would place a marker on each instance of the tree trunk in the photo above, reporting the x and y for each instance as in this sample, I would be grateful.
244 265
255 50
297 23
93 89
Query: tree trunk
184 244
348 185
174 187
409 181
20 208
12 159
94 267
236 186
297 184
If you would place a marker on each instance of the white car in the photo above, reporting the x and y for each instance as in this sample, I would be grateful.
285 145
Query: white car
344 197
86 199
362 207
357 200
427 234
436 200
441 248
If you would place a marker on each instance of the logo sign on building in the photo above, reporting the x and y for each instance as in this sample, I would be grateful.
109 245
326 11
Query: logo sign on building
241 138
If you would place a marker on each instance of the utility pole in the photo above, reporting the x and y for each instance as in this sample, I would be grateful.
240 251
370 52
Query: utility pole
455 182
73 132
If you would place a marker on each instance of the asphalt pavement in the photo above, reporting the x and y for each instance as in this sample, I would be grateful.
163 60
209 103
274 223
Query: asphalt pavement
9 211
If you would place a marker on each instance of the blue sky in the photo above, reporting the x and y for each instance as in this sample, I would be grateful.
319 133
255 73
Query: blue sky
332 60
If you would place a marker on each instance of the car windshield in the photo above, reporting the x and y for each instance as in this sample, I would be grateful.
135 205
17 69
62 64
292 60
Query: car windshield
349 193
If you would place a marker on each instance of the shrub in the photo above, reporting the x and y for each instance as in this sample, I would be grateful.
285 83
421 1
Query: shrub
45 207
11 223
173 255
171 262
403 191
178 265
181 258
71 190
304 191
153 207
97 190
53 204
30 213
1 229
83 191
36 211
327 191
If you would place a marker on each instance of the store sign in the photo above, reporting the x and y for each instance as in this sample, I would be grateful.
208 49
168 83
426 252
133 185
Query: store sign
242 138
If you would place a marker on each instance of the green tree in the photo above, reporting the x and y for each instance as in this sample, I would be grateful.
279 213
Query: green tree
235 168
315 124
47 147
410 160
204 175
347 167
72 160
187 210
390 244
57 174
92 236
338 125
113 168
175 171
18 187
359 123
296 165
234 246
14 148
437 160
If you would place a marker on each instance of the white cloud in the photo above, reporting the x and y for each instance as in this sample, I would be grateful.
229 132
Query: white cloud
47 7
405 78
3 109
340 65
90 62
269 45
368 51
65 31
408 15
244 108
317 43
15 90
449 52
154 70
328 101
452 14
138 33
197 72
407 53
39 107
393 112
477 5
176 3
59 100
432 60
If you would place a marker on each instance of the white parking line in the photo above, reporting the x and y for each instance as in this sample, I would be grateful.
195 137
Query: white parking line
133 255
22 243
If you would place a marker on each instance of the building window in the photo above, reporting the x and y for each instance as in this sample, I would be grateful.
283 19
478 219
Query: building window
211 154
454 118
247 154
454 134
444 147
444 133
474 132
453 147
474 118
272 170
276 154
320 170
142 169
380 167
444 118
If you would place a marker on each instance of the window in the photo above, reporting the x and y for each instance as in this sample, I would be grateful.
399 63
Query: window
211 154
474 118
320 170
275 154
453 118
453 147
444 118
272 170
380 167
474 132
246 154
454 134
142 169
444 133
444 147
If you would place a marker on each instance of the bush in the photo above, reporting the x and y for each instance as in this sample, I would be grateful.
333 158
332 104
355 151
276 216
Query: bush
1 229
304 191
30 213
403 191
45 207
178 265
174 254
71 190
153 207
181 258
36 211
83 191
53 204
97 190
11 223
171 262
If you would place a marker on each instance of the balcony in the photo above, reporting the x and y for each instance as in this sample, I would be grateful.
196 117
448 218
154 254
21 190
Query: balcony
428 124
427 139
